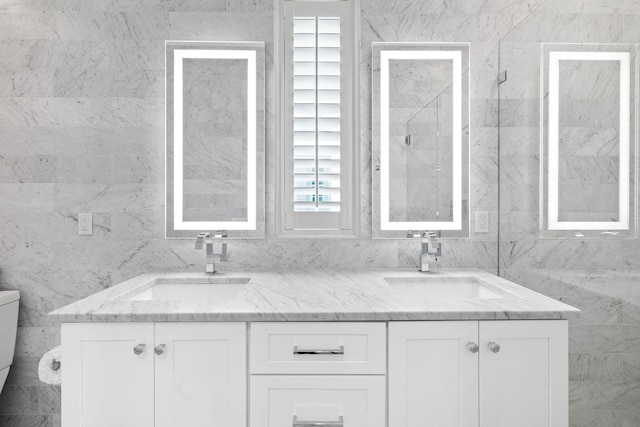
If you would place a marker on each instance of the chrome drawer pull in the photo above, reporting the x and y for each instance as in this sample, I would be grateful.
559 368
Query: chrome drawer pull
296 423
494 347
139 349
297 350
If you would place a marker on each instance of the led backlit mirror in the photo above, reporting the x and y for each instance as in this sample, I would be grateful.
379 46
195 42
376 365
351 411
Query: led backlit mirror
215 138
588 141
420 147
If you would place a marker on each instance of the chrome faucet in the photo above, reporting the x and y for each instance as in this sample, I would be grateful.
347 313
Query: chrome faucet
207 239
431 248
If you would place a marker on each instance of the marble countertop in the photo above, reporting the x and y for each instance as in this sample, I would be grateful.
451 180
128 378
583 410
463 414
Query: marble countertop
312 295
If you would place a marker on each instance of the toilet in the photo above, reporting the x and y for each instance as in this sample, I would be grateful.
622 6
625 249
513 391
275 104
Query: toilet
8 328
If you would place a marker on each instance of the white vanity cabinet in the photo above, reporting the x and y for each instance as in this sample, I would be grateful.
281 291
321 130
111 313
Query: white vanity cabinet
478 373
154 374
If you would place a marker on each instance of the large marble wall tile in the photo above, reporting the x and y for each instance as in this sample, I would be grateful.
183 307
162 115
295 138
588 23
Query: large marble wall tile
70 54
49 227
35 341
631 310
519 175
107 198
575 254
28 168
221 26
26 82
604 339
21 6
598 395
455 254
569 28
82 82
248 5
28 150
484 66
631 27
519 112
449 25
596 367
484 113
85 168
589 6
501 7
521 61
137 54
18 26
138 169
585 417
109 25
631 366
24 255
64 112
26 420
20 198
398 7
138 112
139 83
137 225
26 400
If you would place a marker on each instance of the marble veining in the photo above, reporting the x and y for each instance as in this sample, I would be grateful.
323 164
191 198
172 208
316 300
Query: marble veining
313 295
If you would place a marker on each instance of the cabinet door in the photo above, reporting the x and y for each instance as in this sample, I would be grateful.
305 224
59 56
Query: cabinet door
433 374
524 382
321 400
105 383
201 374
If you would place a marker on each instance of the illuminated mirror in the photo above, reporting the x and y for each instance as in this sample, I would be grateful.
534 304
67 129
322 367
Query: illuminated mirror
588 141
215 138
420 147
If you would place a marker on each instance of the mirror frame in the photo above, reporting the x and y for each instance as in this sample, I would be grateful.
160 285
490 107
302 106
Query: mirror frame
254 54
382 53
550 225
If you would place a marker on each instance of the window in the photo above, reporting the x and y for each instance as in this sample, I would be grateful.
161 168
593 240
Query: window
316 143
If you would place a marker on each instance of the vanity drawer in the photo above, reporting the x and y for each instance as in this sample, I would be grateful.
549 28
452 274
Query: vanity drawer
318 348
318 400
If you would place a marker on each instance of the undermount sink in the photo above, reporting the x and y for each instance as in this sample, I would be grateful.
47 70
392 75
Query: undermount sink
212 289
426 288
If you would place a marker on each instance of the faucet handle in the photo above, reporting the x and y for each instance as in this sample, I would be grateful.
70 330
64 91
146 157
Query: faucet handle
200 239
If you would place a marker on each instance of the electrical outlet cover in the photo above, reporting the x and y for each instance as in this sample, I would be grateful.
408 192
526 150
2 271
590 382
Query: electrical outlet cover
85 224
482 222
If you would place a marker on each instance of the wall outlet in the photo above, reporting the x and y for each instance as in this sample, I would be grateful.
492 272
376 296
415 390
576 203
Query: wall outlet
482 222
85 223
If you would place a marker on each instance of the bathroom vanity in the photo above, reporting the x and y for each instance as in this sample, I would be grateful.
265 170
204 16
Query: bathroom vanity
354 349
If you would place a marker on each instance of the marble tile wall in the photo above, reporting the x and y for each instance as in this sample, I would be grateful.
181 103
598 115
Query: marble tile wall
598 276
81 130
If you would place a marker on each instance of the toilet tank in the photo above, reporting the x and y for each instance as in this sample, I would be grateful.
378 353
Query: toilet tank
8 326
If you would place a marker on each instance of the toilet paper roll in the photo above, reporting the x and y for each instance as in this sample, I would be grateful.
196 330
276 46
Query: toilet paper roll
50 368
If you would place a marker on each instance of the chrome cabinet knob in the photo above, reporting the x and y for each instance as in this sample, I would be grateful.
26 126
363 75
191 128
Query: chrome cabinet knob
473 347
139 349
494 347
159 350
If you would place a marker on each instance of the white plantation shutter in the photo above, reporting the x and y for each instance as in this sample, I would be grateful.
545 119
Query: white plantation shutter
318 131
316 114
